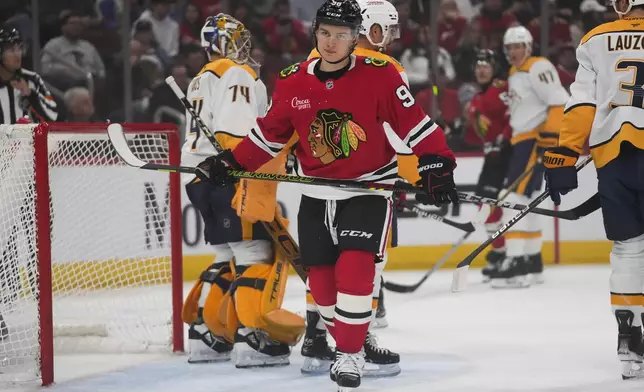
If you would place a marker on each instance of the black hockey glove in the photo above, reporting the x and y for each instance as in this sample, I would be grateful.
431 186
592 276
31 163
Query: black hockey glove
437 180
215 169
561 175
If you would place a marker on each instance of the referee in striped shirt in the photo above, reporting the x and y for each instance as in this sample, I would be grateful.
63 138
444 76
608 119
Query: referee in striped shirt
22 92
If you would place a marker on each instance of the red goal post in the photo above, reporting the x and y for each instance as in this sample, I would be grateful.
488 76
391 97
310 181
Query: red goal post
90 258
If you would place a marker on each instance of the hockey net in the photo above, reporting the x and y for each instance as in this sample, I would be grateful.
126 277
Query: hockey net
90 249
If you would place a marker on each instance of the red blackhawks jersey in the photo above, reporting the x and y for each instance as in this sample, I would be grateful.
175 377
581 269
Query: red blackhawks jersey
488 112
339 123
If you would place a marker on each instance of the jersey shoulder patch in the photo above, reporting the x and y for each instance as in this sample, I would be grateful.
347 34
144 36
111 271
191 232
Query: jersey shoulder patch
289 71
374 62
221 66
314 54
498 83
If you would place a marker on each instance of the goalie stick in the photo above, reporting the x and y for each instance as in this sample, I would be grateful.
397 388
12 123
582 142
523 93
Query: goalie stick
459 281
400 186
401 288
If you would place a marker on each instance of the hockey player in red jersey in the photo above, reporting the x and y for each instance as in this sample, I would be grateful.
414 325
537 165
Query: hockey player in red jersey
338 105
488 115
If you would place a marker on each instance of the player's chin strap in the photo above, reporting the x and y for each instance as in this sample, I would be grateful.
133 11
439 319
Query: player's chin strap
353 47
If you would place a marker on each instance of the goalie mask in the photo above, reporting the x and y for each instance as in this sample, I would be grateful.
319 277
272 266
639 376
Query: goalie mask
227 37
382 13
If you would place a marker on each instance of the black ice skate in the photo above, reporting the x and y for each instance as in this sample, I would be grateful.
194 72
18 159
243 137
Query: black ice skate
205 347
318 356
513 273
630 347
253 348
347 370
535 268
380 321
494 259
379 362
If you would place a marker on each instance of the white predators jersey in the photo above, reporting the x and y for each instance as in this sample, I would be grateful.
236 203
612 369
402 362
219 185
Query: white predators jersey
534 88
607 100
228 97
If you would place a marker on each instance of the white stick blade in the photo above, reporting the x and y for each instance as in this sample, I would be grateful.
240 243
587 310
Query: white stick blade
117 138
459 281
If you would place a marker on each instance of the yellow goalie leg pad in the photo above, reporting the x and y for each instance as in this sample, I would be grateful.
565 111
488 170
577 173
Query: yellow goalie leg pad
190 310
259 292
217 302
257 200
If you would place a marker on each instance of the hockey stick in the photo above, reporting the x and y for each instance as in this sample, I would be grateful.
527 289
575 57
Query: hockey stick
401 288
399 186
467 227
459 281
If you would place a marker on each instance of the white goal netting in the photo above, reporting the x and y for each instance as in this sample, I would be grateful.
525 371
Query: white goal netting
110 247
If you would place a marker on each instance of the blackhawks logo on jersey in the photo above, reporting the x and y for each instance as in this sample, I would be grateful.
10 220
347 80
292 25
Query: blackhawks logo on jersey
334 135
290 70
375 62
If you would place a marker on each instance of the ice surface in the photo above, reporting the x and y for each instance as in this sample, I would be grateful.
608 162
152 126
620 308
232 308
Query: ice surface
556 337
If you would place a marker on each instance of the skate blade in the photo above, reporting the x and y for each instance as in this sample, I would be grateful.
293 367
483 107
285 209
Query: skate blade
223 358
632 370
486 279
537 278
511 283
379 323
372 370
315 366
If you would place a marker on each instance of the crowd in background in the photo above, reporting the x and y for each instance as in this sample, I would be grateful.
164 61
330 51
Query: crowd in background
82 56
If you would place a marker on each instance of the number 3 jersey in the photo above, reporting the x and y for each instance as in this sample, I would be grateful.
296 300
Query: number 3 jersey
537 99
607 100
339 122
228 97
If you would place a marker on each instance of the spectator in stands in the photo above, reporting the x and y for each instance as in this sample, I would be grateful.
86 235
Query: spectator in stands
67 60
166 29
559 27
243 13
140 84
144 34
451 26
109 12
408 29
465 55
195 59
79 105
523 11
416 61
190 29
493 18
592 14
163 98
284 34
567 64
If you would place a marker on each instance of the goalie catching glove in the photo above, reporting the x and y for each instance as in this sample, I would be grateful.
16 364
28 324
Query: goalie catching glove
437 180
561 174
215 169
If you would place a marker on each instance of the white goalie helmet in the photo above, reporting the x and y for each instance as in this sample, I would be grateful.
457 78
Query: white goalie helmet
518 35
383 13
630 5
227 37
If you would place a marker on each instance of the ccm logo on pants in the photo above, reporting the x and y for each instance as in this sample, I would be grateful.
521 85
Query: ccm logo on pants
355 233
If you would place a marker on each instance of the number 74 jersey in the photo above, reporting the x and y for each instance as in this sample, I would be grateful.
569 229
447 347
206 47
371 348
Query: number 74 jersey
228 97
607 103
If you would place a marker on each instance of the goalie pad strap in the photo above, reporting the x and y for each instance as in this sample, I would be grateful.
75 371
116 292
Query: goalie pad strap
213 277
253 283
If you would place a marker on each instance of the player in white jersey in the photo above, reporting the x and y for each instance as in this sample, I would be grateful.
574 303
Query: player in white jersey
607 108
537 99
378 29
229 96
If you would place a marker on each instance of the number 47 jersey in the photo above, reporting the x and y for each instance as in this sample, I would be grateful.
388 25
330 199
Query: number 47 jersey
607 100
228 97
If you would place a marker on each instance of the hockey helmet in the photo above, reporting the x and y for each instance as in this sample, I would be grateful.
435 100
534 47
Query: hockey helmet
383 13
518 35
339 13
227 37
487 56
9 37
630 5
